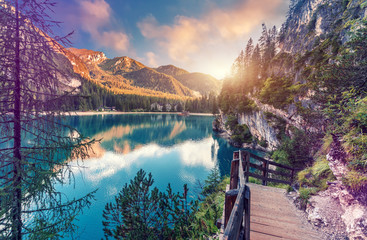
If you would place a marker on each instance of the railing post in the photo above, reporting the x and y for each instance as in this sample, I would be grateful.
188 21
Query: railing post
246 217
265 172
292 177
236 154
247 165
233 184
229 201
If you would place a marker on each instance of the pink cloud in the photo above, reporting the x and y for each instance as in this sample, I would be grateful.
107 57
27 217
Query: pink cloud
96 15
152 59
217 28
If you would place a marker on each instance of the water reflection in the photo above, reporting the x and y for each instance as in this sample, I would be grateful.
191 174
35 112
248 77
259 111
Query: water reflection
175 149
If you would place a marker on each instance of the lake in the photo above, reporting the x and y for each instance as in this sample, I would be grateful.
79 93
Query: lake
175 149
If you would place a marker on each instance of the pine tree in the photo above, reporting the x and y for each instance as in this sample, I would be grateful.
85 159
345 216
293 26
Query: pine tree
255 64
248 51
143 212
33 141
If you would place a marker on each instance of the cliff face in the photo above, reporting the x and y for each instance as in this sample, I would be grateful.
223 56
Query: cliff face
311 21
260 128
310 37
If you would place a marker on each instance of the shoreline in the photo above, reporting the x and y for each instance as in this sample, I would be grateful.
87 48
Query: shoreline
91 113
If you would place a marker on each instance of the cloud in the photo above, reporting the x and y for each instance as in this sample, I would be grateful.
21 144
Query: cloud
152 59
179 39
216 29
95 16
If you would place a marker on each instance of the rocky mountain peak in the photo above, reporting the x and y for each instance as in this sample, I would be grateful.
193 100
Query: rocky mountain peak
312 21
121 65
89 56
171 70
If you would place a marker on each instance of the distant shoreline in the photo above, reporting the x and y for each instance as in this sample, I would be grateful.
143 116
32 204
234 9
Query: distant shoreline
91 113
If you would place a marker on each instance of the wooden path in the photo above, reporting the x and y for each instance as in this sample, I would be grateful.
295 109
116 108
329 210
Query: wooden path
273 216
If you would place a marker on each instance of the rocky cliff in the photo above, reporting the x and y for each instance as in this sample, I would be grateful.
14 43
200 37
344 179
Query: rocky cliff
303 87
260 128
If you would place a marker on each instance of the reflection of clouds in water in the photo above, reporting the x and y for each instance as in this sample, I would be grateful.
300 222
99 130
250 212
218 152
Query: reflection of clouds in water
97 169
197 153
111 191
192 154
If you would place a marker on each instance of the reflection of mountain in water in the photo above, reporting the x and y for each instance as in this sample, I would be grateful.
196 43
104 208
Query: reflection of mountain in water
123 133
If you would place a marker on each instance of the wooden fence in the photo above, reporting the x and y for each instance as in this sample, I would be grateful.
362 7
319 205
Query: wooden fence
269 171
237 203
237 198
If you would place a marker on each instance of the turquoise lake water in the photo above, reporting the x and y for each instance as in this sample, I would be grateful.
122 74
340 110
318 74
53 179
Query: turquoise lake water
175 149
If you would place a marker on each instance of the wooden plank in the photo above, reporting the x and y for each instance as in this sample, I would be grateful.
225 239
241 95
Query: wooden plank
280 165
280 173
257 157
278 181
233 228
253 165
270 162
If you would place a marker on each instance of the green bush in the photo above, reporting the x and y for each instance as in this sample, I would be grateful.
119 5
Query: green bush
142 212
129 216
305 194
263 143
317 175
355 181
296 151
277 91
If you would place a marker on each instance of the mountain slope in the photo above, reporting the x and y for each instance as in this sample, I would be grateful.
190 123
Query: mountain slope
151 79
200 82
121 65
124 75
171 70
203 83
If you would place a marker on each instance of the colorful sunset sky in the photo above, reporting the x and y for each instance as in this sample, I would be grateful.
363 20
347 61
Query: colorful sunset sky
197 35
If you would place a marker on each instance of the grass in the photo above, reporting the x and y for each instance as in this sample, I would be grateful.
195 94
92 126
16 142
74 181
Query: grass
211 209
355 181
305 194
317 175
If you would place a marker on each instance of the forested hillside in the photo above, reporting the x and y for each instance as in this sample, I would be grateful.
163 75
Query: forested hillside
308 83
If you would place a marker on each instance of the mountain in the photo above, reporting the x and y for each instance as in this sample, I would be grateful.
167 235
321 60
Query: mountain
203 83
128 76
124 75
121 65
171 70
89 56
151 79
200 82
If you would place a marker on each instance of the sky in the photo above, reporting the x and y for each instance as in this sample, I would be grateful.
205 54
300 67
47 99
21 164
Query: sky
196 35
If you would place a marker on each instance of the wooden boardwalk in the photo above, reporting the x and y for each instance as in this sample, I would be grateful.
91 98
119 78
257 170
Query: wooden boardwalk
273 216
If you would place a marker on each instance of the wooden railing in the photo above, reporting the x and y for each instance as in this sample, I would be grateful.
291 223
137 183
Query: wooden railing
237 203
270 171
237 198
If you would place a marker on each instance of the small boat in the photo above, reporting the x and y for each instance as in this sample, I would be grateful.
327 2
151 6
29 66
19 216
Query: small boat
184 113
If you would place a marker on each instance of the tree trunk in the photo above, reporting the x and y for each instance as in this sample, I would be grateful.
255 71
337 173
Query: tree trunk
17 186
